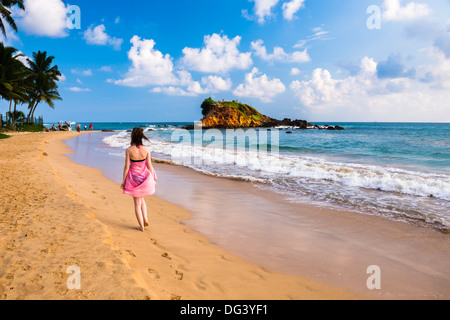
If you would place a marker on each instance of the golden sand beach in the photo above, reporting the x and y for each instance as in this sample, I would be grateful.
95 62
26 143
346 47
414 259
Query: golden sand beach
56 214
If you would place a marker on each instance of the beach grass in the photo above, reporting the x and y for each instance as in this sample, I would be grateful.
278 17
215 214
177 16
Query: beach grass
4 136
24 128
31 128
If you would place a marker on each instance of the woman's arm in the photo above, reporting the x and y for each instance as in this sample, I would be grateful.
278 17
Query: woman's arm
126 168
150 166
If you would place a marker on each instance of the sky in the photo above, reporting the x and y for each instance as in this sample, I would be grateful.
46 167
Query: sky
321 60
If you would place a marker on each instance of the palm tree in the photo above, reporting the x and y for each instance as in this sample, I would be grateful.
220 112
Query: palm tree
20 94
7 67
13 76
16 115
5 14
44 76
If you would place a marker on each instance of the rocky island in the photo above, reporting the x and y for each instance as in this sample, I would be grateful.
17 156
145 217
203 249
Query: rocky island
236 115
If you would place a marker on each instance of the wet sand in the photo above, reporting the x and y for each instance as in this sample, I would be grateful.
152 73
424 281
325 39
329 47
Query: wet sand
327 245
56 214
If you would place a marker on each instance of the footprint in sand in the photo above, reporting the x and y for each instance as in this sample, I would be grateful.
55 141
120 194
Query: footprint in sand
62 290
258 275
175 297
10 276
166 255
36 278
26 268
10 245
201 284
153 273
131 253
155 243
178 275
225 258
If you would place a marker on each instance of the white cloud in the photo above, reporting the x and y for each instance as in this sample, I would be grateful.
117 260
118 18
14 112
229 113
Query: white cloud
209 84
11 36
319 34
43 18
219 55
259 87
106 69
62 78
295 71
149 66
422 98
77 89
322 89
173 91
290 8
413 10
81 72
22 58
279 54
437 74
215 84
263 9
117 20
98 36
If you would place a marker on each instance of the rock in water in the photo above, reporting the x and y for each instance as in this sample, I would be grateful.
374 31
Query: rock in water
235 115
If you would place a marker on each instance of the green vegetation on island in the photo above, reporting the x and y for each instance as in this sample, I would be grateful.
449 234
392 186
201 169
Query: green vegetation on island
244 109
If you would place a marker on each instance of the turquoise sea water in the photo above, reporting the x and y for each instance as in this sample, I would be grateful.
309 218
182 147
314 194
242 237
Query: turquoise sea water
398 170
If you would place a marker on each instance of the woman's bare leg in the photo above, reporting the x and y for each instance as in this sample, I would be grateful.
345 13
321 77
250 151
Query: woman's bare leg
144 211
138 211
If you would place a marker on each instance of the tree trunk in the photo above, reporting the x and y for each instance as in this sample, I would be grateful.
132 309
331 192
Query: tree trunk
32 114
14 116
9 118
31 107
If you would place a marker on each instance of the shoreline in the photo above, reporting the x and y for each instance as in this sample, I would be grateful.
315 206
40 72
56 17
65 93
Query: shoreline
67 208
327 245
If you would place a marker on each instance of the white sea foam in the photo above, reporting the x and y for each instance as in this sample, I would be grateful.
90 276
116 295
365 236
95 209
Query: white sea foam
349 184
267 166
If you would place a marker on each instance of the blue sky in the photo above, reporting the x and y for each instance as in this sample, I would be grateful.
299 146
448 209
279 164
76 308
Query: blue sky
315 60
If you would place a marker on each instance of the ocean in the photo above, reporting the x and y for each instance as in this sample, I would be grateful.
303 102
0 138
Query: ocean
397 170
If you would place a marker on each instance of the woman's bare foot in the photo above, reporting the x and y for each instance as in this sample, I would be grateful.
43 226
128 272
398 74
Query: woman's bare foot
141 229
145 223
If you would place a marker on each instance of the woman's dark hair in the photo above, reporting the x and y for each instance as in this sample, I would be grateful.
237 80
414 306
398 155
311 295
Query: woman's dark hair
136 137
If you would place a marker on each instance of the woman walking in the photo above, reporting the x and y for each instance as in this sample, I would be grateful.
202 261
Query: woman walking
139 177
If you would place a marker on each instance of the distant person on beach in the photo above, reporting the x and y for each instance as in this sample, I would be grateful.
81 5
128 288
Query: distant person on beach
139 177
91 127
78 127
85 127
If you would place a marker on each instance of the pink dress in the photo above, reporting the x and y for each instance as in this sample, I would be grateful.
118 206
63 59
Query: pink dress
140 182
